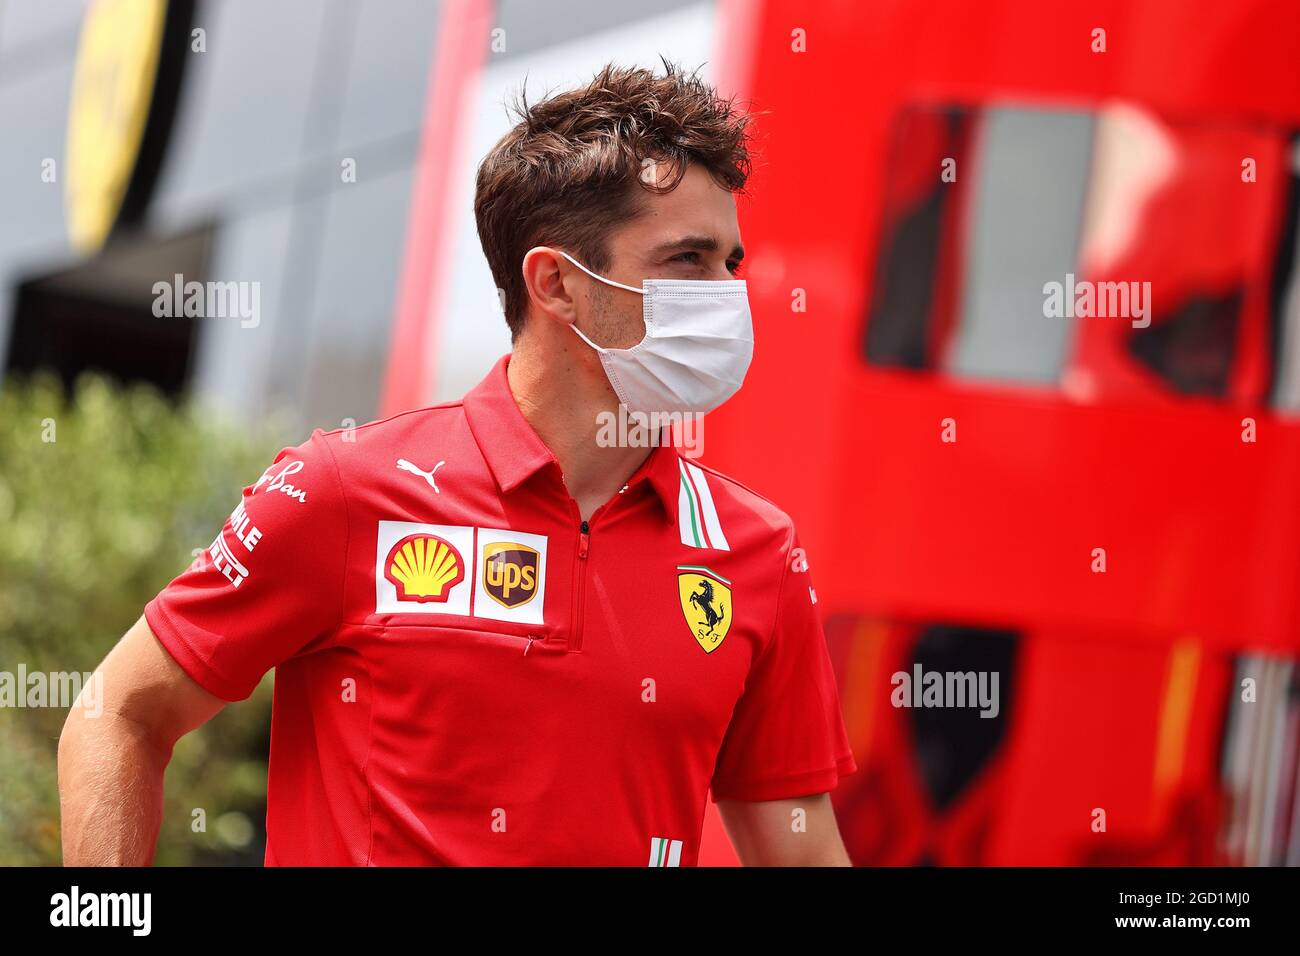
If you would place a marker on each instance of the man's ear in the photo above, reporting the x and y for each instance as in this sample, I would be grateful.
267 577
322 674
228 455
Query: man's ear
552 283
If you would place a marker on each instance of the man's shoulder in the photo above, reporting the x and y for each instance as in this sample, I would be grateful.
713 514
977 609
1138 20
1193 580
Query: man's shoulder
355 447
327 463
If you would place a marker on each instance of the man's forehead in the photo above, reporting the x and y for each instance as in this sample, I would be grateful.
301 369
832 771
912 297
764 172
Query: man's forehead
697 214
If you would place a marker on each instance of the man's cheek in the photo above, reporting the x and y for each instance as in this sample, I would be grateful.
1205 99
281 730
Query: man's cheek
632 327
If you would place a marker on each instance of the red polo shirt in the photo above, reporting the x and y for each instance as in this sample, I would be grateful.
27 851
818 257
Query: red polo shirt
466 674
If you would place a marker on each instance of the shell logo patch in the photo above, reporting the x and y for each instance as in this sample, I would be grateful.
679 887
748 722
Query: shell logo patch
424 568
510 573
706 605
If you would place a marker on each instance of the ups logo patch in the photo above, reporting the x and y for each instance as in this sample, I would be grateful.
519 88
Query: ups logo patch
510 573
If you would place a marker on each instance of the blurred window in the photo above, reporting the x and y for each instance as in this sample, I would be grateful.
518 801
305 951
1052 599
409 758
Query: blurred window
99 315
1108 253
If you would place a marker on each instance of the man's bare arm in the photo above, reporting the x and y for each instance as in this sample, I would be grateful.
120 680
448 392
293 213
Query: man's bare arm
111 765
776 833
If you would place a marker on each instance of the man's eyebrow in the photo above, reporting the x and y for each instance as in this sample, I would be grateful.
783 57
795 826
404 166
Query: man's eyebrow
696 244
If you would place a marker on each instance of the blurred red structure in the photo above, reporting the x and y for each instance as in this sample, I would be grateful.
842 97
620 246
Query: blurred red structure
1119 683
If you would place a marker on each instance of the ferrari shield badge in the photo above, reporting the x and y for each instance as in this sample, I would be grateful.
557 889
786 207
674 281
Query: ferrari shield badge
706 605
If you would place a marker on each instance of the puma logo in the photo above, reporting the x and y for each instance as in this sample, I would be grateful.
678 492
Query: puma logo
404 465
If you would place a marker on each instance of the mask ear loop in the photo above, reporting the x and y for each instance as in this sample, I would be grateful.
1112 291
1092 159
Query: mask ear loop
599 348
599 278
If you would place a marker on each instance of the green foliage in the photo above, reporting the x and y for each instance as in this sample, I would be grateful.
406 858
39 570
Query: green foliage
105 498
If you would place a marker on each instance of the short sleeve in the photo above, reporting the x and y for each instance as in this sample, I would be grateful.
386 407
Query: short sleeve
787 736
269 584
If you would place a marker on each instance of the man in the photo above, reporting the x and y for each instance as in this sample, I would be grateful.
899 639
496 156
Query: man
498 638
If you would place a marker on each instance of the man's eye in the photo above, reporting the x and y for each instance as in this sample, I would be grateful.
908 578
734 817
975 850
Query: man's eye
734 267
691 257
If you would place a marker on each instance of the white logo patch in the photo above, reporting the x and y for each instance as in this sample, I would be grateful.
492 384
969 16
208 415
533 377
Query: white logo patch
488 573
510 576
423 568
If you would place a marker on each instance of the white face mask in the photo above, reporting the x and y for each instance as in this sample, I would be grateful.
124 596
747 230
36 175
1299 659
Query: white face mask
699 339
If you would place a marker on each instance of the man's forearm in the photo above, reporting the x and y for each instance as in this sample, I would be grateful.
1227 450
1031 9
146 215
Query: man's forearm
789 832
110 791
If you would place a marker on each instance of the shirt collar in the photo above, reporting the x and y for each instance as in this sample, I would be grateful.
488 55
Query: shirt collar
663 470
514 452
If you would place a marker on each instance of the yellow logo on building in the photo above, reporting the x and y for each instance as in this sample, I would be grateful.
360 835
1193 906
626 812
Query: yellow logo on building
706 604
112 89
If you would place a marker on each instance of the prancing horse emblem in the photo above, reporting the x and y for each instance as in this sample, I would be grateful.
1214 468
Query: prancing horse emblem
706 605
704 601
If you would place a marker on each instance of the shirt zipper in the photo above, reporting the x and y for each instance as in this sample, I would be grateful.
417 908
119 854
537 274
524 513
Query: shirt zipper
580 567
580 587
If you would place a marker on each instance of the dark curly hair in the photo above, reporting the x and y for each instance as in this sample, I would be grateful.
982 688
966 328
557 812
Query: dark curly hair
567 173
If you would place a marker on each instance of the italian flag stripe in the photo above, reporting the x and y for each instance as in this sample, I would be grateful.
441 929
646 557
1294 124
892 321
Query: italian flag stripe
693 521
697 516
701 569
665 852
712 526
